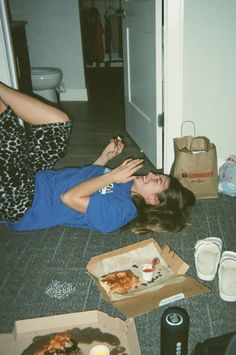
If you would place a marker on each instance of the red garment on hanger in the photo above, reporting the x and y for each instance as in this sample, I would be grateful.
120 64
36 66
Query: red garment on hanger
98 43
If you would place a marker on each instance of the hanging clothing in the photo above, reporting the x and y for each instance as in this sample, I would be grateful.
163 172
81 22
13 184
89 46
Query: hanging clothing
120 14
98 42
92 36
113 32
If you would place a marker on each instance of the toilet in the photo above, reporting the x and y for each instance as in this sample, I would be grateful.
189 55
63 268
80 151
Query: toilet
46 81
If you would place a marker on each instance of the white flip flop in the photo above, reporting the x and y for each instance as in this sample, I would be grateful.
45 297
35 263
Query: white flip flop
207 257
227 276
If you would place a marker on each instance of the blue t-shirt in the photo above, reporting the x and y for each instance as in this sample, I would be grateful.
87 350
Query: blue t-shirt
109 208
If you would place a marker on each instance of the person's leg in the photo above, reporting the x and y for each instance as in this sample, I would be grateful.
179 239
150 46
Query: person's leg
48 143
17 175
30 109
3 106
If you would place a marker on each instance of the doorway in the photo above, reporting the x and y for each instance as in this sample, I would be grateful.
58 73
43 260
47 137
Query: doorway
101 33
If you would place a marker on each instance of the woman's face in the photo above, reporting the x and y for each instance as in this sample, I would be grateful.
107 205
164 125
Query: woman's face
150 186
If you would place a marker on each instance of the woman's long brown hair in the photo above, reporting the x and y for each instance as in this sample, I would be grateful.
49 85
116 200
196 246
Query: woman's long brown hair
170 215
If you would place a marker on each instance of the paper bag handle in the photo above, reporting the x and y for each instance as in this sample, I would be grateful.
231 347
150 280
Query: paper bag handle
188 121
206 140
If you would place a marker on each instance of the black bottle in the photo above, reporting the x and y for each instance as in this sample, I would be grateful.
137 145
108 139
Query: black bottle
174 331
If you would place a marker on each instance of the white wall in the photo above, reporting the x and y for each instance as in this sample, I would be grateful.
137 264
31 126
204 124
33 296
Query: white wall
54 39
209 71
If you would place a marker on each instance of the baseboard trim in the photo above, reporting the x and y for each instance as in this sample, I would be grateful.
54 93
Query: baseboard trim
74 95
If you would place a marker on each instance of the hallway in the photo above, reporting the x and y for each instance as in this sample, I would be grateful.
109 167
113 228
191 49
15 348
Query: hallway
99 119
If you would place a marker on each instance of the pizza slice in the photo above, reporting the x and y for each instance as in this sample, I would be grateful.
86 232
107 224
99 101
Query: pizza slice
120 281
60 343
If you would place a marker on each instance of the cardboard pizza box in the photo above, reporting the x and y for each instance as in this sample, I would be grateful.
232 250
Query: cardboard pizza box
171 286
21 340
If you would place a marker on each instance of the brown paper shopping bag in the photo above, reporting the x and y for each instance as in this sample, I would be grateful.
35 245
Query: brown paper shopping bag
195 165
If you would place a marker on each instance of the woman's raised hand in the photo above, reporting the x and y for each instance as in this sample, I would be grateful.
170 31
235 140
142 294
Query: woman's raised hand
114 148
124 172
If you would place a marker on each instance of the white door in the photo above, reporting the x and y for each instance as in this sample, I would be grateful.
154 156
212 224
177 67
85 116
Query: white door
142 47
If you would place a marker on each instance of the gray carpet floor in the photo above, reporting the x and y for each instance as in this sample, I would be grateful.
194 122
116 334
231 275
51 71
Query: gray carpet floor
43 273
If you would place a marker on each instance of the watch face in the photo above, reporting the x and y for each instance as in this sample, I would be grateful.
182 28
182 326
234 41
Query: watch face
174 319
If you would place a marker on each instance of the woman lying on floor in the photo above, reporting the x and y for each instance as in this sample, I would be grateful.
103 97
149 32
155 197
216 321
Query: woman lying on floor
34 196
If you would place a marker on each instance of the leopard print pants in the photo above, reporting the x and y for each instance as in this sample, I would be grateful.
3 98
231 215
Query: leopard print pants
24 151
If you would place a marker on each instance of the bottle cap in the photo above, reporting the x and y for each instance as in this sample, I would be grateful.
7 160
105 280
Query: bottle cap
174 319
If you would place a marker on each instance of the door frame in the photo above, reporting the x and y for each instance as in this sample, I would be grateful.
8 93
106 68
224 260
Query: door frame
7 59
173 76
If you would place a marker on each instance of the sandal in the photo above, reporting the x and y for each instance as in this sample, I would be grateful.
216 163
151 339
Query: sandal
207 257
227 276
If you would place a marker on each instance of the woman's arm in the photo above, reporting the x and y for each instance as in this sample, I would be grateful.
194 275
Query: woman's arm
114 148
78 197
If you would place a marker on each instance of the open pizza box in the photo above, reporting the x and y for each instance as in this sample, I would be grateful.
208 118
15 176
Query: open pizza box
169 282
30 334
